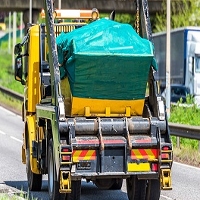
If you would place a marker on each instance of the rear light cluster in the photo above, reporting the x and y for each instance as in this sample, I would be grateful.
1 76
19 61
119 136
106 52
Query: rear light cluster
165 153
154 167
166 157
66 155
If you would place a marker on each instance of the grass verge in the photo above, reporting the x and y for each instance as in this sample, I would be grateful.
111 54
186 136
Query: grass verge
10 197
188 152
11 104
187 156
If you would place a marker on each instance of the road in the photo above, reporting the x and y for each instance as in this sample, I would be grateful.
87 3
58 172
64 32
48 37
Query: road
185 179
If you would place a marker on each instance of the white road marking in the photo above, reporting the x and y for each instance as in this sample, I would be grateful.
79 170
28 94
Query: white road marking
167 198
9 112
3 133
5 110
185 165
14 138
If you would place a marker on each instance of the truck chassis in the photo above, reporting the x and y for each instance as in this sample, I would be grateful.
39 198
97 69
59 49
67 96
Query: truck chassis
102 149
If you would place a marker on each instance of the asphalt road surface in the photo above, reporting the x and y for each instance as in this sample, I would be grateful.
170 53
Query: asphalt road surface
185 179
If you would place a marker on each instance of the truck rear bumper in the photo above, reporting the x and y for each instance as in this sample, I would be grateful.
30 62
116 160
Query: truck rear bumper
94 176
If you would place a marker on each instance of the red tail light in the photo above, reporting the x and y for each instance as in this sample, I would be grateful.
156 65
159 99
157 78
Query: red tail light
164 153
66 157
165 148
154 167
165 156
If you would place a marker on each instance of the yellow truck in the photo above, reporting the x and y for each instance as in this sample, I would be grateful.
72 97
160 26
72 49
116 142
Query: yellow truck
91 107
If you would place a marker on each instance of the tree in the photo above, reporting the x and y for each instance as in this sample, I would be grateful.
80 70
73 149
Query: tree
183 13
6 20
121 17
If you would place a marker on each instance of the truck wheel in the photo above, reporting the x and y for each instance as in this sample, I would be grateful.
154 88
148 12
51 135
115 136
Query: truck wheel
76 191
117 185
34 180
53 183
153 189
136 189
104 184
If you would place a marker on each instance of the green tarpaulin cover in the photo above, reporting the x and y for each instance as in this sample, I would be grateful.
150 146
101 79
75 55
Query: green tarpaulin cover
105 60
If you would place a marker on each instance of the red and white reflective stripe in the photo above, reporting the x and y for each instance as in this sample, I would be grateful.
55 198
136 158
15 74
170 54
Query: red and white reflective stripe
70 14
77 14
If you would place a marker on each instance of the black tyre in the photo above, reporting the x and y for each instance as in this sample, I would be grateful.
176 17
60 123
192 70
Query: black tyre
34 180
76 191
53 183
117 185
153 189
104 184
136 189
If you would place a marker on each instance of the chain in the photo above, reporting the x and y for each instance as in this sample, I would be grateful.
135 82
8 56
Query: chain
137 23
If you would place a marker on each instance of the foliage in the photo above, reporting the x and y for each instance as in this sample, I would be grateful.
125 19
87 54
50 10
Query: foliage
183 13
122 18
7 72
187 113
187 155
6 20
11 196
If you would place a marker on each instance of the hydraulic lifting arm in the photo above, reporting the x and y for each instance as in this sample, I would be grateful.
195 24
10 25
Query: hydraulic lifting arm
142 23
57 99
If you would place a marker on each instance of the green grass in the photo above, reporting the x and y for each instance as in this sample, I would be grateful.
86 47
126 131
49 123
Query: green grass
9 197
12 104
186 115
7 70
13 196
188 152
7 79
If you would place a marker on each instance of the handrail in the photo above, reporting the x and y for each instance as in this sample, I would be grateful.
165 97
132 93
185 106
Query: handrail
180 130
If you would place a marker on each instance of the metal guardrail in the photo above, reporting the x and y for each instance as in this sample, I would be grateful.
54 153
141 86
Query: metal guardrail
187 131
180 130
11 93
